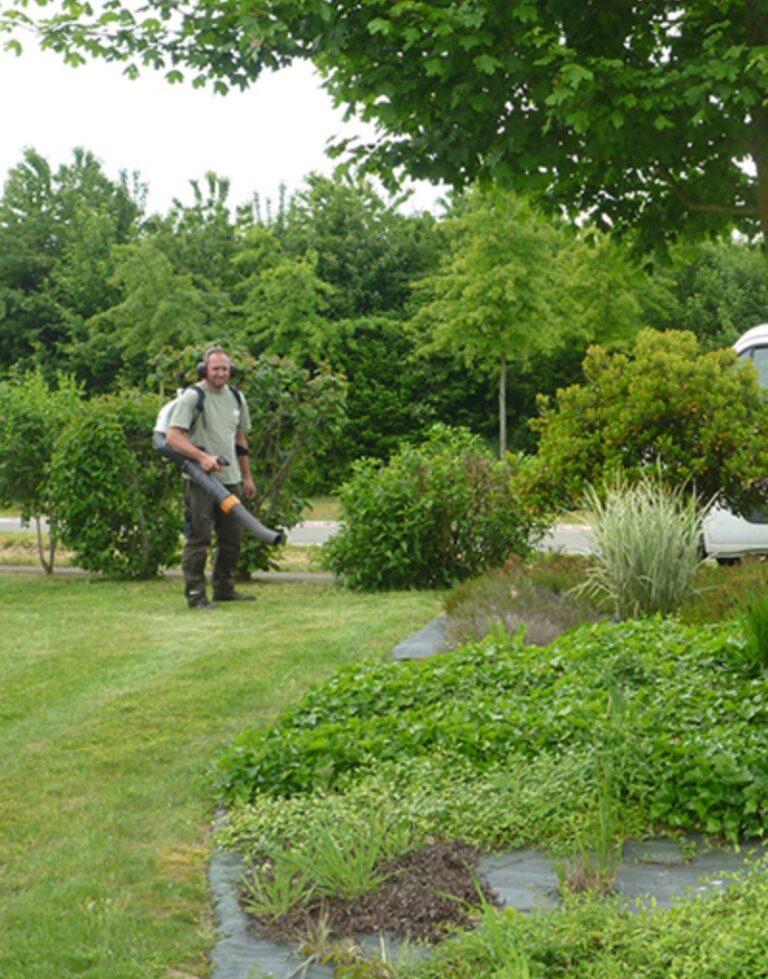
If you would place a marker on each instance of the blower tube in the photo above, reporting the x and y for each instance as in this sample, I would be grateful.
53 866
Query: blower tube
226 500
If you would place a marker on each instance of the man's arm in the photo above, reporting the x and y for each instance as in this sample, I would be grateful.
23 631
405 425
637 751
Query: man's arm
178 440
249 487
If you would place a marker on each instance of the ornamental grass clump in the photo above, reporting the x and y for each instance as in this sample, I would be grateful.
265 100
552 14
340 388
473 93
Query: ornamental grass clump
647 540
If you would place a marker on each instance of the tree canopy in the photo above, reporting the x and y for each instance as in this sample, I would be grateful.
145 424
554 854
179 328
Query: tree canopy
651 115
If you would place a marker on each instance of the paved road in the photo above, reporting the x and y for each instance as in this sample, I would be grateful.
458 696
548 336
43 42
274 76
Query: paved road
310 532
571 538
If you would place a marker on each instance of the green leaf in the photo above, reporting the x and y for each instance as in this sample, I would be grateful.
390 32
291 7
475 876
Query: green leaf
379 26
486 64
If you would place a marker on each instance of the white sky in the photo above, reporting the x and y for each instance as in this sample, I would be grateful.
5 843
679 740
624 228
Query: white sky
274 133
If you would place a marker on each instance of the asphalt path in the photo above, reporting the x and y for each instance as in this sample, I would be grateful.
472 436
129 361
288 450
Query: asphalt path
569 538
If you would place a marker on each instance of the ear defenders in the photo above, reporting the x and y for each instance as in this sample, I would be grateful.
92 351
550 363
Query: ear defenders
202 367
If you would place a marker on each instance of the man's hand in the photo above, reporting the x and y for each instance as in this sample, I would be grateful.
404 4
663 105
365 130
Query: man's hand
249 487
210 464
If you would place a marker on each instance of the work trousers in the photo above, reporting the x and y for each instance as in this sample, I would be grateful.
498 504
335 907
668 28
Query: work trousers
201 518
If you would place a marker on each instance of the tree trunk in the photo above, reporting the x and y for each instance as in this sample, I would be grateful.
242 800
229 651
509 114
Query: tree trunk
46 565
502 405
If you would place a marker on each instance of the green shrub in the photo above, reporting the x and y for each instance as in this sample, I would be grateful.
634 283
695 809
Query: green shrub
117 500
436 514
694 726
703 416
648 546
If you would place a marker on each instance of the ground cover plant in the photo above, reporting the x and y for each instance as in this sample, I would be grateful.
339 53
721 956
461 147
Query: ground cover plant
720 935
694 719
114 701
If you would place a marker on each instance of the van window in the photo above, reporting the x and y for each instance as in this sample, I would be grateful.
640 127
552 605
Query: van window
759 355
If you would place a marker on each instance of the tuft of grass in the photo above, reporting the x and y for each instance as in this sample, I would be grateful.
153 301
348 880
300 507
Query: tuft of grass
114 701
272 887
343 859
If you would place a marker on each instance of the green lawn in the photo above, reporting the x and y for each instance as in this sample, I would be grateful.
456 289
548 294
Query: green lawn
114 699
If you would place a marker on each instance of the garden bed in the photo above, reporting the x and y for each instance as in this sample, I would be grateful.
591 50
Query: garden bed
610 732
428 893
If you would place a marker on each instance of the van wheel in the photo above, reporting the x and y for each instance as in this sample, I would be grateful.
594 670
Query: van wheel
727 562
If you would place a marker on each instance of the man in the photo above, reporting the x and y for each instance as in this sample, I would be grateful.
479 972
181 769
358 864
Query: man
210 433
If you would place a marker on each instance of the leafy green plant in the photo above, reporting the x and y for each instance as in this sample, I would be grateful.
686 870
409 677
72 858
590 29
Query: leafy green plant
436 514
648 543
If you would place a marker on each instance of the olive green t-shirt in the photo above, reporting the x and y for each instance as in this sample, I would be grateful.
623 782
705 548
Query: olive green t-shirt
214 428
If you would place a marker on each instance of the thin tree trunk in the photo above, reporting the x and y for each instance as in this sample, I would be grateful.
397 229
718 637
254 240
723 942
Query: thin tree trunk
46 565
502 405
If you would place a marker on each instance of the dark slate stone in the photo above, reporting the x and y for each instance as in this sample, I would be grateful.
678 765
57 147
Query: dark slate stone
238 954
425 642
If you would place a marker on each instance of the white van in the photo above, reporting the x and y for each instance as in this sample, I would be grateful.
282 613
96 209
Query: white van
726 536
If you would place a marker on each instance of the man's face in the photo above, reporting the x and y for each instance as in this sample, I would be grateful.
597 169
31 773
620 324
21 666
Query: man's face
217 370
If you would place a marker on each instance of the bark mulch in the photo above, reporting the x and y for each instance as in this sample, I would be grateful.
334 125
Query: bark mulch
428 893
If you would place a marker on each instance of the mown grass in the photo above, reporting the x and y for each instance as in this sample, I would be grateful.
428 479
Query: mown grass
114 700
322 508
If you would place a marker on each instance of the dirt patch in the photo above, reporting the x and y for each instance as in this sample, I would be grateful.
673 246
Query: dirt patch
427 894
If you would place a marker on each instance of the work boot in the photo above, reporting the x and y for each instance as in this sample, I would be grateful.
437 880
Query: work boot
201 604
234 596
